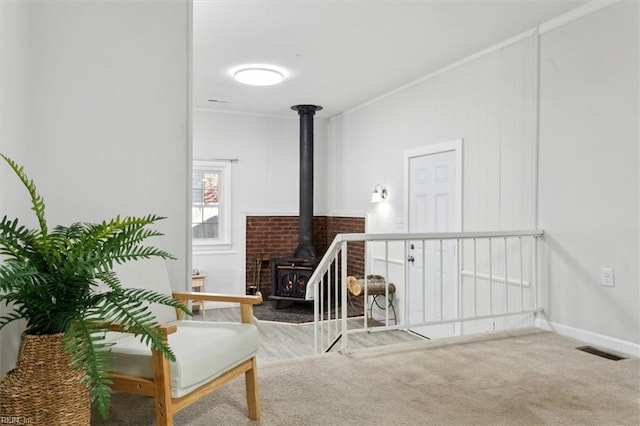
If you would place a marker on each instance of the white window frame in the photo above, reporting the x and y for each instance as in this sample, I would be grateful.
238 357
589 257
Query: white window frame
224 205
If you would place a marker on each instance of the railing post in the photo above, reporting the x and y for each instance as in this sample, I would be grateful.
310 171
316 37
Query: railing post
490 277
323 334
316 316
521 275
424 282
458 281
441 281
329 283
386 295
506 278
535 289
405 294
343 286
475 278
335 275
462 298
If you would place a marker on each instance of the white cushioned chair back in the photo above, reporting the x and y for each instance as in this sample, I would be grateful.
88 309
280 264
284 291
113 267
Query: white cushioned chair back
148 274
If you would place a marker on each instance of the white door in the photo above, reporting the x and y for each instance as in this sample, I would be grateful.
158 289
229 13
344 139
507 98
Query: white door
433 281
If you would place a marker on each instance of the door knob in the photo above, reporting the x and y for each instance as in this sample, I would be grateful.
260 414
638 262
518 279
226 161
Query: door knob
411 259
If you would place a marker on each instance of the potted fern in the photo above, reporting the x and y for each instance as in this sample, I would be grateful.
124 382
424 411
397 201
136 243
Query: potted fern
52 279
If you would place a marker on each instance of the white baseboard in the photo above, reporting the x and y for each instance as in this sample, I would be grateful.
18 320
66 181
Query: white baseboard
599 340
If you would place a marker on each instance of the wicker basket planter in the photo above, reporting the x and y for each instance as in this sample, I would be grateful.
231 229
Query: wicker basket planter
43 389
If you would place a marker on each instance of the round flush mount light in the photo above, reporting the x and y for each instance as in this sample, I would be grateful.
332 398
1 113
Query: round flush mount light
258 75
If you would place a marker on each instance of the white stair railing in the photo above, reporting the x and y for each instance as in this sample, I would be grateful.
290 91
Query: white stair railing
473 281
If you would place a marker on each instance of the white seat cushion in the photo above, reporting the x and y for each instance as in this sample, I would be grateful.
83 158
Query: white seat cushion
203 350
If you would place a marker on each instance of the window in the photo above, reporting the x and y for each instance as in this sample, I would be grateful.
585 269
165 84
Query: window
210 218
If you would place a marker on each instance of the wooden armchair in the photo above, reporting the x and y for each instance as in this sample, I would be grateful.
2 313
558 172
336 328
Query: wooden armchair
208 354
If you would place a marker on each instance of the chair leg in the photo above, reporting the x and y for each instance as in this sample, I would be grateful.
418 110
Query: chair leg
251 383
162 389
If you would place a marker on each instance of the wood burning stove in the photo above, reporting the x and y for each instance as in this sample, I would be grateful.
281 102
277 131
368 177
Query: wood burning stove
291 275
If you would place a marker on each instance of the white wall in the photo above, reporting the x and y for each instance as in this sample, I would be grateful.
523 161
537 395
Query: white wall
101 122
589 181
265 180
588 173
14 92
488 102
14 96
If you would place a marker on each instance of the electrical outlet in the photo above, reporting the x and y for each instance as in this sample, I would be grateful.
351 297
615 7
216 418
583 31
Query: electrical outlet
491 326
606 277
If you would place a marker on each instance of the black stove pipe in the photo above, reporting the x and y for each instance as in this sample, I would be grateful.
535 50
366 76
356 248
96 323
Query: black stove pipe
305 240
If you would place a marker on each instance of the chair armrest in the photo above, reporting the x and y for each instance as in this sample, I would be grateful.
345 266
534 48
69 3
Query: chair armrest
246 302
217 297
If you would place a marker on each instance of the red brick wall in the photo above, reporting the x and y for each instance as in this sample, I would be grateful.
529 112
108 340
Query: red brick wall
355 251
277 236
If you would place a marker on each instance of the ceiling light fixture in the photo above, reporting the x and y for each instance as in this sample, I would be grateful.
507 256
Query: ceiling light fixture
258 75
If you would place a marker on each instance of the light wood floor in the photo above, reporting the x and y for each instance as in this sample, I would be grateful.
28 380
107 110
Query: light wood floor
286 341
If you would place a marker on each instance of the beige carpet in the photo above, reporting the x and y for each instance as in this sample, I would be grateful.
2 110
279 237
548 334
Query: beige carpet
527 378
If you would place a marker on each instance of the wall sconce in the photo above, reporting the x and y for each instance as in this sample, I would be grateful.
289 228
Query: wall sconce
379 194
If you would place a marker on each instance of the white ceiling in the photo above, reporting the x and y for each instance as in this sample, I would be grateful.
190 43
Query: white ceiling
340 54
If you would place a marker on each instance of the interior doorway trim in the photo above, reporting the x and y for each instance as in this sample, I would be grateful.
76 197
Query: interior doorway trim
437 148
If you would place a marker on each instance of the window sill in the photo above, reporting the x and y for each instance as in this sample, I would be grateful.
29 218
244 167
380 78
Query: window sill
198 246
213 252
